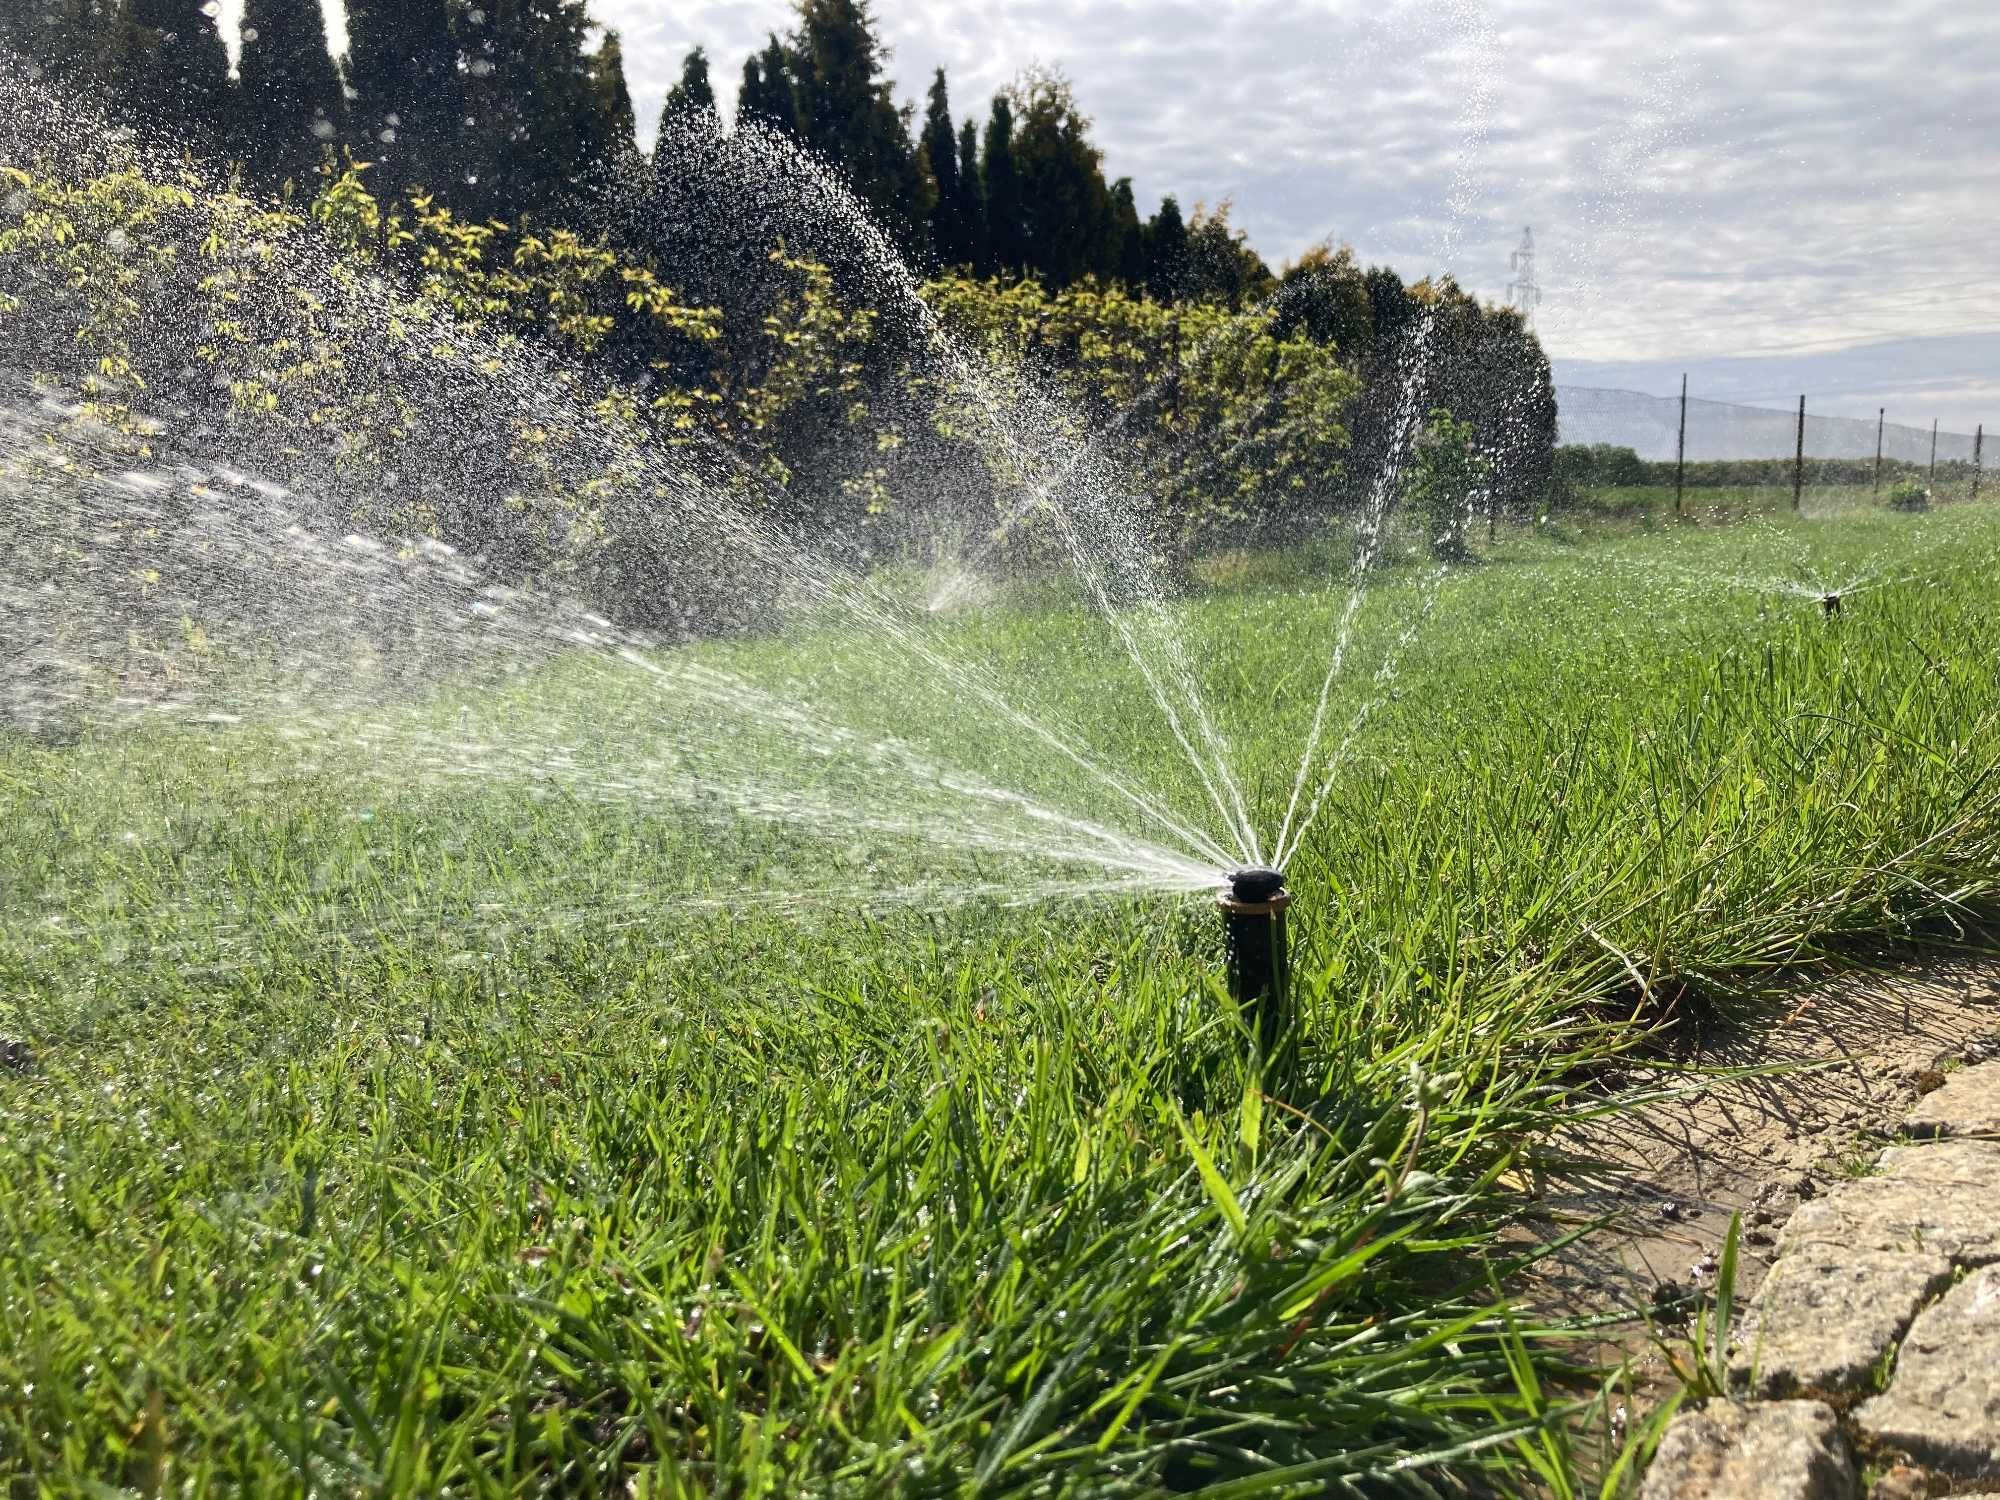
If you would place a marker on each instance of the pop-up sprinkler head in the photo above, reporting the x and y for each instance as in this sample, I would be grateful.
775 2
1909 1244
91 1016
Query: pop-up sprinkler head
1830 603
1253 923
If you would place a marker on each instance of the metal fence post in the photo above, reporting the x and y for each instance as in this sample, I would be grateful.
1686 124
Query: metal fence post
1681 447
1978 454
1881 415
1933 479
1799 460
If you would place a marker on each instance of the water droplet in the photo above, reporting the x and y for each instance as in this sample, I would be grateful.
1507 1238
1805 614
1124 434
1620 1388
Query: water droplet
322 128
211 8
250 34
388 137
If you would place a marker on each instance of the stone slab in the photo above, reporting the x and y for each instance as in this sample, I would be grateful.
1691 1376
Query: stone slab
1943 1406
1971 1165
1967 1105
1776 1450
1827 1314
1900 1212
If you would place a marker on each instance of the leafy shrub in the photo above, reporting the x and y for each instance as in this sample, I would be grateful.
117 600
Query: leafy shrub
1598 464
1221 416
315 324
1447 478
1909 496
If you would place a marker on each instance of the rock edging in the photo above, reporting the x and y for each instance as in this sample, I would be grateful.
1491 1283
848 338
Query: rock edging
1883 1308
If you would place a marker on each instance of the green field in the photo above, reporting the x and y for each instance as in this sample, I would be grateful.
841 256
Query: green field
1653 504
502 1132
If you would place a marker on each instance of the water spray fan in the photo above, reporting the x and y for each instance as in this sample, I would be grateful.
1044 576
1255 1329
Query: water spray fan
1259 968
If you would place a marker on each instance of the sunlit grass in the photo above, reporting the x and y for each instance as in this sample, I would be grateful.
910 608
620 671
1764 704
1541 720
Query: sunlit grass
502 1134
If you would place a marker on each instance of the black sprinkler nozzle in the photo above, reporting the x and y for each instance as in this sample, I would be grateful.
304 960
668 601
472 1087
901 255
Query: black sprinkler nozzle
1254 883
1253 921
1830 603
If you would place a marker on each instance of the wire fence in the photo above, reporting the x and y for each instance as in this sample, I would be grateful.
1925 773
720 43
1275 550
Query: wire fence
1722 431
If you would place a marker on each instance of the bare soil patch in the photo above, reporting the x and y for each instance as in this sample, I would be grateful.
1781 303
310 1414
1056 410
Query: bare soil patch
1837 1071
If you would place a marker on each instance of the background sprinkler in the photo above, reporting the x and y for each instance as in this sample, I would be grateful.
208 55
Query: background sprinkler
1253 923
1830 603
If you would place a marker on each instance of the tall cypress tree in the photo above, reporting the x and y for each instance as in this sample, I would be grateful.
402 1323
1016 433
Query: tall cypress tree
27 27
533 106
174 72
691 93
951 219
290 107
1065 206
76 41
1128 237
408 112
750 91
769 94
614 142
949 240
848 114
1167 253
972 199
688 119
1006 229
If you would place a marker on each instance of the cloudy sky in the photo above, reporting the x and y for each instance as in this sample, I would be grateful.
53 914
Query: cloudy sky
1752 189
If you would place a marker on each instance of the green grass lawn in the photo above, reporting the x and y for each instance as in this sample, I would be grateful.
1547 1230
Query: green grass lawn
413 1118
1652 505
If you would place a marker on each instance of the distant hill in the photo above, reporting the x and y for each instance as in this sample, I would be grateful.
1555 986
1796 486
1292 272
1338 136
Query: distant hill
1955 380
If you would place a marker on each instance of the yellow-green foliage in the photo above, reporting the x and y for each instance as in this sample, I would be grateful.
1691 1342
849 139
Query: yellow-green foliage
109 281
1221 412
86 251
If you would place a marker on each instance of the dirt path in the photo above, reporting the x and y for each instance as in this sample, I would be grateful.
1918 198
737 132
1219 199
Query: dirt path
1858 1051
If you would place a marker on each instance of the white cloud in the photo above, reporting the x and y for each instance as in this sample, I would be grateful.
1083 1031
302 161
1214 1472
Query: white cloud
1705 177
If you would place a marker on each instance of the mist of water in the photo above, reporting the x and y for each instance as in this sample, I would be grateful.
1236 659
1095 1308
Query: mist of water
207 573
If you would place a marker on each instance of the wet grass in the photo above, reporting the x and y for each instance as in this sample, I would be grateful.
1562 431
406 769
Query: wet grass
1652 505
393 1132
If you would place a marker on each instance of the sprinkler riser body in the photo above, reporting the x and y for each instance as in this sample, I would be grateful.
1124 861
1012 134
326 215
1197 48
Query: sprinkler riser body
1831 604
1258 956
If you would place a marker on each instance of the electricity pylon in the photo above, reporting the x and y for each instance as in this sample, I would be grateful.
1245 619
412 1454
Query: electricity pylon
1524 292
